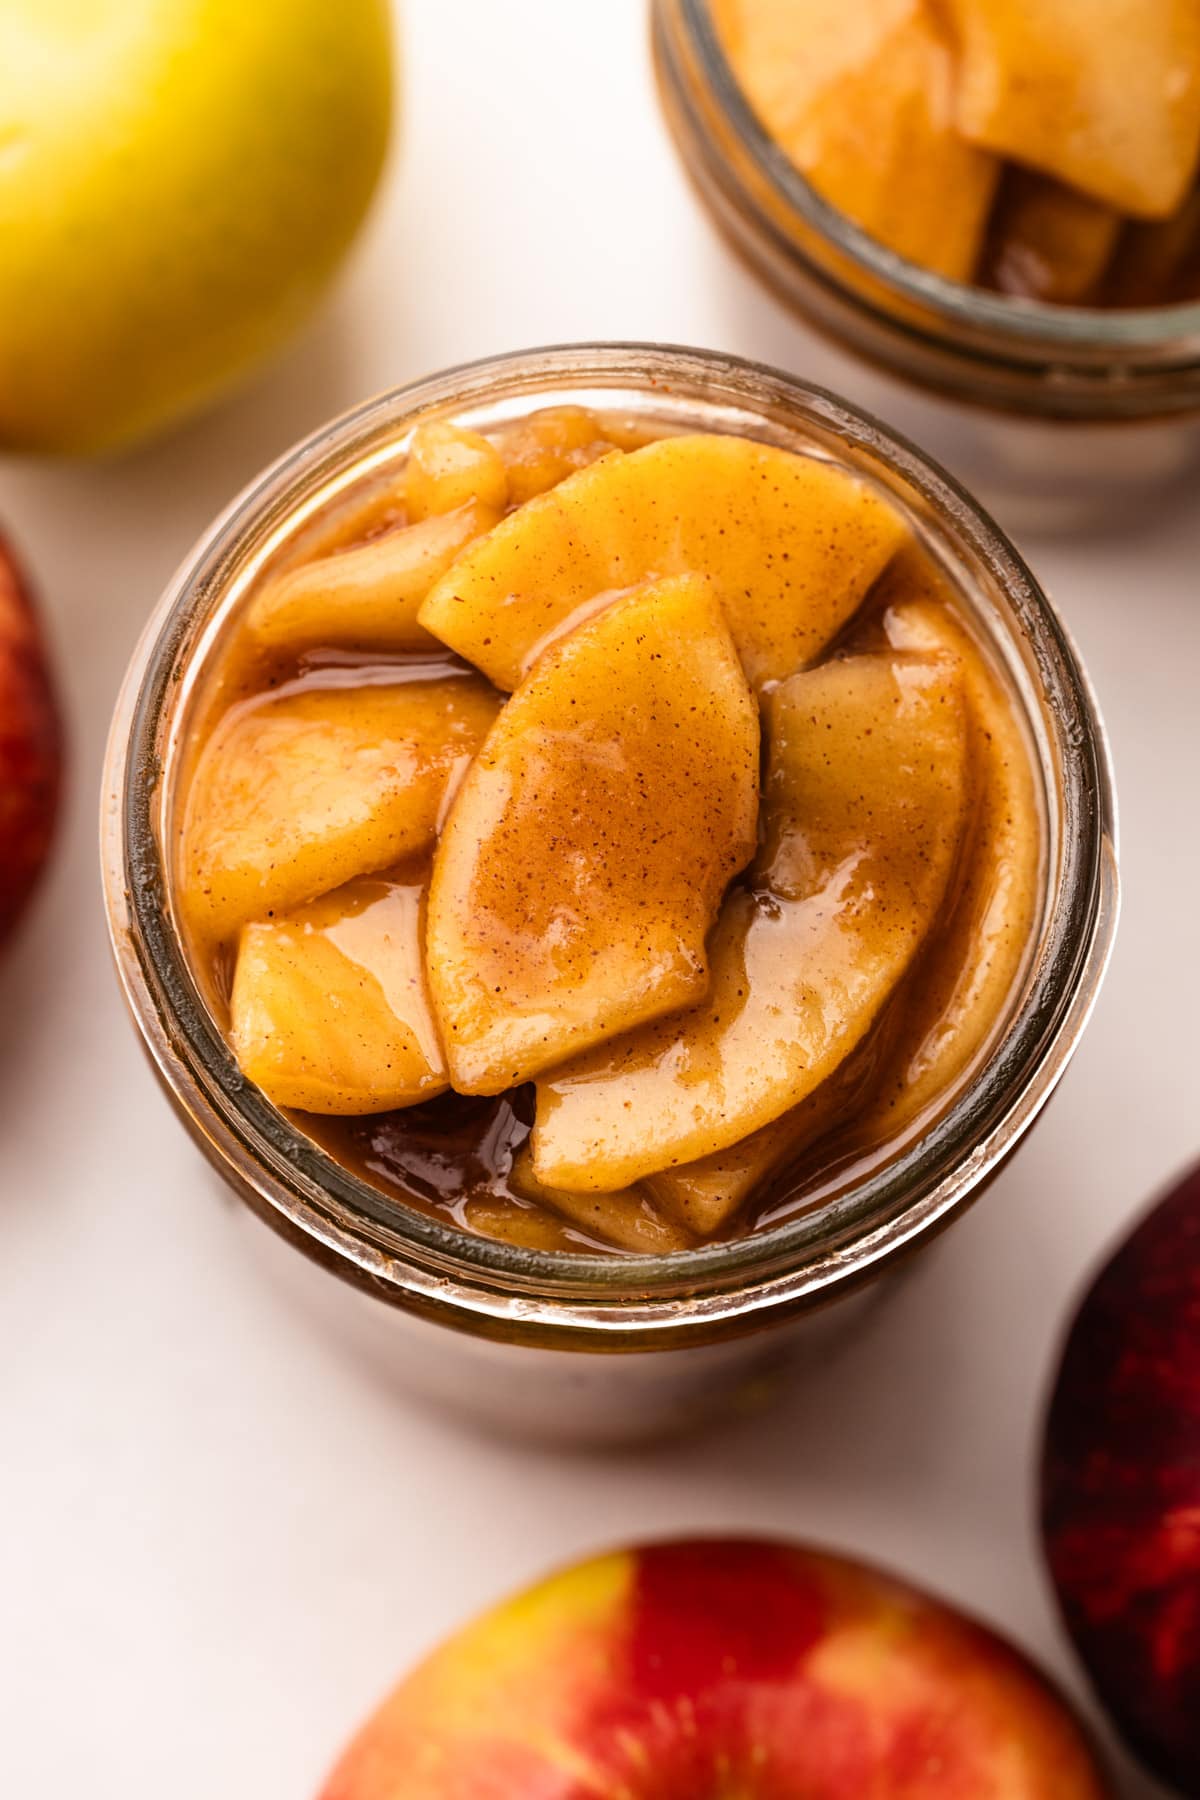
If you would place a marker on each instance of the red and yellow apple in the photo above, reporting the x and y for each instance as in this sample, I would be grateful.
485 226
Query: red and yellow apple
30 746
1121 1486
721 1670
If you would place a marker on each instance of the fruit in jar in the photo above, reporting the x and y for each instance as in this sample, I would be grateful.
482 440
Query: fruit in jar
543 449
295 794
1120 1500
805 969
754 1668
864 807
330 1008
587 851
179 180
1027 149
448 468
983 943
30 746
629 1219
861 100
1105 97
366 596
791 544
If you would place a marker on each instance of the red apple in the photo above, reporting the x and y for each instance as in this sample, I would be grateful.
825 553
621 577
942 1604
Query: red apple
722 1670
30 746
1121 1486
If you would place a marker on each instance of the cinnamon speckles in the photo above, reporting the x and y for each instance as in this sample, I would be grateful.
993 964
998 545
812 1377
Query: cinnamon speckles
587 852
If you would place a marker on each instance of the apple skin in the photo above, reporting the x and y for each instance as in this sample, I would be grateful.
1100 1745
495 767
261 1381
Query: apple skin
721 1670
1121 1486
178 181
30 746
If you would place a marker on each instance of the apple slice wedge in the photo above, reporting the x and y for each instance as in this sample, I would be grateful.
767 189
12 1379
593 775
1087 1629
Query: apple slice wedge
860 99
298 792
586 854
706 1195
791 543
629 1219
1104 95
864 808
366 596
330 1009
967 976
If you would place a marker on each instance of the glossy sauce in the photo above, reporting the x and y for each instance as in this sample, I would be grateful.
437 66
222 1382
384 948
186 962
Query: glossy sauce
454 1156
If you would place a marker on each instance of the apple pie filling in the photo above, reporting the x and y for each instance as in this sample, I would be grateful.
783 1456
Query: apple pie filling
601 840
1049 151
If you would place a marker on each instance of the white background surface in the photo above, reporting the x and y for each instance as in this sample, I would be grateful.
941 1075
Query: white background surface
220 1541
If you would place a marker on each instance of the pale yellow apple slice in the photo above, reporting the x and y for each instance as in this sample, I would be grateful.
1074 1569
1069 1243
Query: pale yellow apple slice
860 98
366 597
518 1222
1103 94
706 1195
969 974
864 809
448 468
330 1008
588 848
1048 241
297 793
791 543
545 447
628 1219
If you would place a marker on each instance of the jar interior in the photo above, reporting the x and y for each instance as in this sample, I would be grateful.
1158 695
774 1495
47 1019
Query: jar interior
820 1197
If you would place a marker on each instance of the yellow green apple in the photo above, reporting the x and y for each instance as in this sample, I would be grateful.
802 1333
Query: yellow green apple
178 181
722 1670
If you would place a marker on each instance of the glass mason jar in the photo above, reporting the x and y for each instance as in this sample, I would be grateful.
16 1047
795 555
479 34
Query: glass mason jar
1054 414
595 1346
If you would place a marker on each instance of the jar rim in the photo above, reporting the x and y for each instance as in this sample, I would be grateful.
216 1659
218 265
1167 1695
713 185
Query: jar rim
486 1285
1030 327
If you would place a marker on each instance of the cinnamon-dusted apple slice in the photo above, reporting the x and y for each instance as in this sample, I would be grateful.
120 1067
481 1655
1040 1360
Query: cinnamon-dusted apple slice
449 467
707 1194
1105 96
860 99
956 1006
330 1009
864 808
586 854
629 1219
544 448
1047 241
791 543
366 596
296 793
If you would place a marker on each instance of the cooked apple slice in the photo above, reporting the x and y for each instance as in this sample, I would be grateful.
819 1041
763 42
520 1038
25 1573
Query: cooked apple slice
1047 241
367 596
448 468
1104 95
791 543
330 1009
297 793
518 1222
860 99
706 1195
586 854
629 1219
967 975
541 450
864 808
